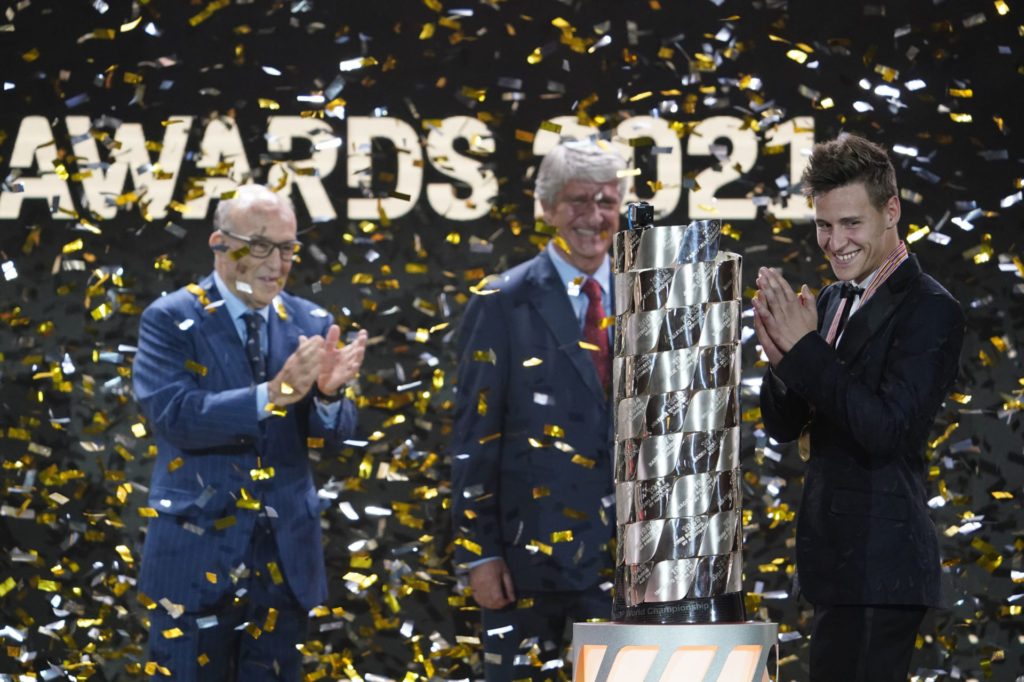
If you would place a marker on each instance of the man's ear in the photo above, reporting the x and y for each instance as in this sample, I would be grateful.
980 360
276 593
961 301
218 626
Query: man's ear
547 209
892 211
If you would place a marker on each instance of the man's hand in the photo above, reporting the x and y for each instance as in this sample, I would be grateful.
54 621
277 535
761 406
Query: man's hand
338 366
491 583
780 318
770 349
299 372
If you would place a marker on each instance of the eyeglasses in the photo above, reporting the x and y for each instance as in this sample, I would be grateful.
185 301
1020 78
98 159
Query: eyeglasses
262 248
581 203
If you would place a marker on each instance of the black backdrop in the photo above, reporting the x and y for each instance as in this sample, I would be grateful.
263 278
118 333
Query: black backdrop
79 267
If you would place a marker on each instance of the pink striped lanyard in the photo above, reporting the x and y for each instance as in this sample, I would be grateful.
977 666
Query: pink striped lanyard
892 261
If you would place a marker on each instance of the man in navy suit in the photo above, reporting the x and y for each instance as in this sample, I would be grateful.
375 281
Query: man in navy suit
532 491
238 380
861 397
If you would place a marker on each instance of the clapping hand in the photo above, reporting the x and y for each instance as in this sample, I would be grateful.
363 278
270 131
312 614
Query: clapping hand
338 366
780 317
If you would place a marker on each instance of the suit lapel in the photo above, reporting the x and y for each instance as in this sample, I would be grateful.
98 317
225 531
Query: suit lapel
831 308
282 334
552 306
869 318
220 332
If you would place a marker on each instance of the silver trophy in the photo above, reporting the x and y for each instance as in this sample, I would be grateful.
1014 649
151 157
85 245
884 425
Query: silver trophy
676 375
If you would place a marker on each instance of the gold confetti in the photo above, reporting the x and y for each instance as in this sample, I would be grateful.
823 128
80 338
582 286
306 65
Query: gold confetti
470 546
193 366
541 547
175 464
226 522
485 356
207 11
366 466
583 461
798 56
561 536
279 308
264 474
125 554
541 491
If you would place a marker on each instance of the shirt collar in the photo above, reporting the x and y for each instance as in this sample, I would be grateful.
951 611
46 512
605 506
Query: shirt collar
863 286
234 304
569 273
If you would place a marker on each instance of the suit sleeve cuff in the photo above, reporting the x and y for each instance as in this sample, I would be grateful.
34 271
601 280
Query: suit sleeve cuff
469 566
262 400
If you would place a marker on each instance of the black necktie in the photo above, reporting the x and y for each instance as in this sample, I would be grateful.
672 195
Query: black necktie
848 292
253 351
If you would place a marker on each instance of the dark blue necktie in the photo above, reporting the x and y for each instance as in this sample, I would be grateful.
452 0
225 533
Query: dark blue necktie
253 351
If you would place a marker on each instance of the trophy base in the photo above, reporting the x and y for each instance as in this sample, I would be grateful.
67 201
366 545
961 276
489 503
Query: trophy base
725 608
709 652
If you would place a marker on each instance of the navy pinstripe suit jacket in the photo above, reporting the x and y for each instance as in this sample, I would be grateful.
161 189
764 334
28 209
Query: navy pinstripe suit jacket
195 386
531 444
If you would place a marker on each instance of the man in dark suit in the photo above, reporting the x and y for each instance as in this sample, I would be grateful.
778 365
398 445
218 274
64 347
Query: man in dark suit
864 396
238 380
532 491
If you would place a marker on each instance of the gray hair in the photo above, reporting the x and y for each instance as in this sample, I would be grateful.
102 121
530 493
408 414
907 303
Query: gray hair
578 160
250 199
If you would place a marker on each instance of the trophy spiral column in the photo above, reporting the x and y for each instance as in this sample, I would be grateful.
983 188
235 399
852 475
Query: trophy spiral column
676 375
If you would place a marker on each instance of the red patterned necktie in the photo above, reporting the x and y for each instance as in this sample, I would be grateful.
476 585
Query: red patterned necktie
595 335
